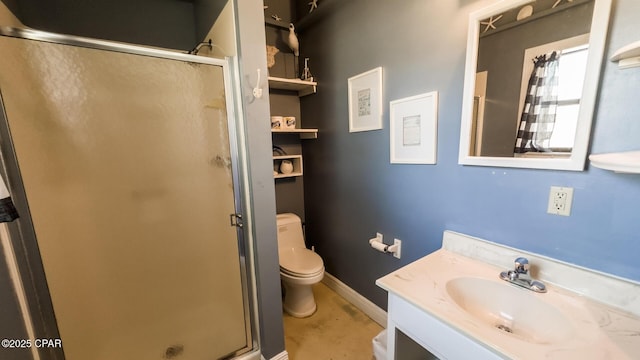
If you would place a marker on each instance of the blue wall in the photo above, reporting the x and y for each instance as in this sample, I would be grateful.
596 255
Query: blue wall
352 192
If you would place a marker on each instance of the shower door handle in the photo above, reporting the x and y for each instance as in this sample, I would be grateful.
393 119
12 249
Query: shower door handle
236 220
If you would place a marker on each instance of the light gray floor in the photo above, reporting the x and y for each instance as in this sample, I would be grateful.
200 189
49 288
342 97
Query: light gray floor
338 330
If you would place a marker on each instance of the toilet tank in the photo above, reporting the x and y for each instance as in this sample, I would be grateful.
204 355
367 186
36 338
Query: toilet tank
289 231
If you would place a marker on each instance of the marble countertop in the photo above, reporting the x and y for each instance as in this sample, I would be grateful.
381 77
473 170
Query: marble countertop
598 331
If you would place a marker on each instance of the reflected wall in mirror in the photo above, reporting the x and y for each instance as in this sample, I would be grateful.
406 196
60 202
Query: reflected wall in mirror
531 80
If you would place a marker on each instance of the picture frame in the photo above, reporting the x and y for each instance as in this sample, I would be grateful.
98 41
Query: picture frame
365 101
413 129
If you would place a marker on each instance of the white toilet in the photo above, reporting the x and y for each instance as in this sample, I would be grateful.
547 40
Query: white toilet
299 267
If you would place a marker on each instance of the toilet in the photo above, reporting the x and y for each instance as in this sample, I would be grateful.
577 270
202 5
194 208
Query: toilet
299 267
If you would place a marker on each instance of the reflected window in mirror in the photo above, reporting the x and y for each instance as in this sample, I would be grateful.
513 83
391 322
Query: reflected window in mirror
552 81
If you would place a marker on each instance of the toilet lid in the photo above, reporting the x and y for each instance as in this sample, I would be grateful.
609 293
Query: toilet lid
300 261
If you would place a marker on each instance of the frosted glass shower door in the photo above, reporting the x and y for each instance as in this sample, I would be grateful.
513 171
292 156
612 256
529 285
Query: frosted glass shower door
126 165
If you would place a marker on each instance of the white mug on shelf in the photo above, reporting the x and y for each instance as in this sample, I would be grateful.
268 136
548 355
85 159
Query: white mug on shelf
289 122
277 122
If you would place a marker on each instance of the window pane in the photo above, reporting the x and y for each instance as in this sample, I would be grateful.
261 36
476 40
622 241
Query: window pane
564 129
572 69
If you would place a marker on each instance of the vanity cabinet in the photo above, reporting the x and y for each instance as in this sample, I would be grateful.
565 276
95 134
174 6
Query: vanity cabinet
436 339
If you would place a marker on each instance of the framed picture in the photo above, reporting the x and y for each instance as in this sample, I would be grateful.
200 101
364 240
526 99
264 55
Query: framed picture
414 129
365 101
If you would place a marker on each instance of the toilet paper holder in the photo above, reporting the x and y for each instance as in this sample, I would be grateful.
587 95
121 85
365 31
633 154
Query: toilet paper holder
394 249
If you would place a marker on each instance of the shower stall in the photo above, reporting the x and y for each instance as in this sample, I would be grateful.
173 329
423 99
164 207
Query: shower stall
123 163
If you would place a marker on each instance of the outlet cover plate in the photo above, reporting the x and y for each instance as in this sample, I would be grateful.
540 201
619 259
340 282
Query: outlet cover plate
560 199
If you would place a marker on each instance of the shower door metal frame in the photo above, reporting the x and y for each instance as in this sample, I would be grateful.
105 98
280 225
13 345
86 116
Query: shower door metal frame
22 235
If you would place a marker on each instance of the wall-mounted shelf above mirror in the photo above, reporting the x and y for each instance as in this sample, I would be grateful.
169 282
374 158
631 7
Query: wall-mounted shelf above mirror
627 56
304 133
302 87
622 162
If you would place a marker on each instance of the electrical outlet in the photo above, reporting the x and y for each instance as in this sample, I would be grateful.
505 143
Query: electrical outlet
560 200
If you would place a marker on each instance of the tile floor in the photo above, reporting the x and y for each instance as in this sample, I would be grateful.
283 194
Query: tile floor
338 330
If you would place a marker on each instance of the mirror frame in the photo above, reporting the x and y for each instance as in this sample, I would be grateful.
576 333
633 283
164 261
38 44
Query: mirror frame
597 42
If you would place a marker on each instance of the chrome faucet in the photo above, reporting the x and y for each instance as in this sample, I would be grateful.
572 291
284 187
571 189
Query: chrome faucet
520 276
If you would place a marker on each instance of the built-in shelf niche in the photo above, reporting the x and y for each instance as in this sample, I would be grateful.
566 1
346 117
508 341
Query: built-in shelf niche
296 160
627 56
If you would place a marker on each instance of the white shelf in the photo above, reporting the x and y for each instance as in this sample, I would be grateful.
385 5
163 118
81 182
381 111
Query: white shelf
628 56
304 133
622 162
297 166
278 24
302 87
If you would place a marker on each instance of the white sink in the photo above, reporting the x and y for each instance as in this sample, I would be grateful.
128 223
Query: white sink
453 303
513 310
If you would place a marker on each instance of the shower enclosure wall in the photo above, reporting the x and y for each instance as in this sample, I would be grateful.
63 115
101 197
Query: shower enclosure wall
124 166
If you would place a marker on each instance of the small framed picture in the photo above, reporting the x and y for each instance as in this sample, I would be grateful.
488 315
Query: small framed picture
414 129
365 101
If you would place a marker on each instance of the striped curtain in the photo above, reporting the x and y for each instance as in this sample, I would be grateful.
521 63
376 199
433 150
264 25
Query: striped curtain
539 113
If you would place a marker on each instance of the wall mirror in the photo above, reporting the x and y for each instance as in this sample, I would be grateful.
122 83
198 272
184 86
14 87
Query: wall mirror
531 80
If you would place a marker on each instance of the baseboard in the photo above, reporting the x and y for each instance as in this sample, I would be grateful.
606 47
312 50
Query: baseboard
282 356
372 310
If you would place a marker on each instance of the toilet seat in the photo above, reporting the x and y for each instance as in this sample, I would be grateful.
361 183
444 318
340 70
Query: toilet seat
299 275
300 262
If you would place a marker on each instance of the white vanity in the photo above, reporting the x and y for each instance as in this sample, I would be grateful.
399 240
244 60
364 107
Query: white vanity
454 305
